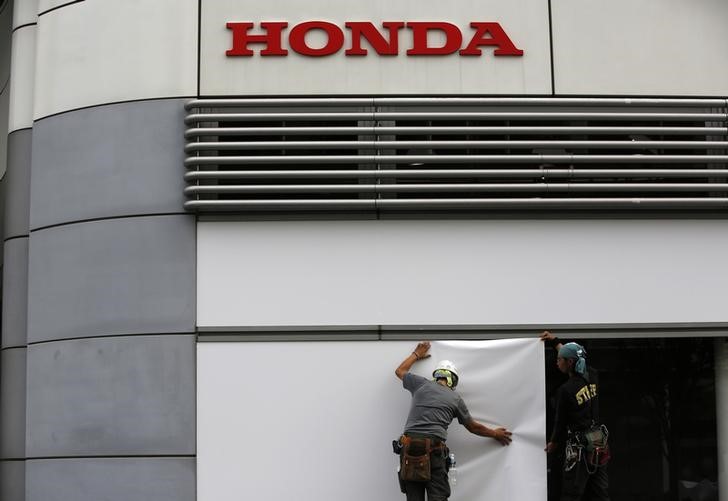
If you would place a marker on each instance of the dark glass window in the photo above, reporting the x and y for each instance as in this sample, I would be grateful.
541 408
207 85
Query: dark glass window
658 401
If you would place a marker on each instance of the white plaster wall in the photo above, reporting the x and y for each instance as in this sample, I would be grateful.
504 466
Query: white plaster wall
22 77
525 21
644 47
45 5
4 109
24 12
5 54
461 272
94 52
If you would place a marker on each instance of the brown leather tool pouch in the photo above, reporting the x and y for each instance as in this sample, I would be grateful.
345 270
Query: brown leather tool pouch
415 459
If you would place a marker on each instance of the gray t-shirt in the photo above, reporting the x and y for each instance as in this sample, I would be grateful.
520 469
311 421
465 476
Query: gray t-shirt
434 406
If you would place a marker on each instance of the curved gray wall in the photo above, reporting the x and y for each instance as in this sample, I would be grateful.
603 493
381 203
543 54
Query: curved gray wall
13 354
117 160
98 361
112 277
112 479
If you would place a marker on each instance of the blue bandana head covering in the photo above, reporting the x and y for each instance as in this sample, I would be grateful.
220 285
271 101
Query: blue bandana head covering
575 351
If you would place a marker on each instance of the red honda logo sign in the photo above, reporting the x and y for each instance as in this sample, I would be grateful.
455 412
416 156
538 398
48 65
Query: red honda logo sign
269 39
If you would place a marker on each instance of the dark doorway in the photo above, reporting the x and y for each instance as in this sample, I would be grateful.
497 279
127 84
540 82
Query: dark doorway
658 401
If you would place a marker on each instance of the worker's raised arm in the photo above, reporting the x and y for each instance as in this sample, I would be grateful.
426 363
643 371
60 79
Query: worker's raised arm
550 340
419 353
502 435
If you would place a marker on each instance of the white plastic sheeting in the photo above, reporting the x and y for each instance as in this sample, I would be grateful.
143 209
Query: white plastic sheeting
315 420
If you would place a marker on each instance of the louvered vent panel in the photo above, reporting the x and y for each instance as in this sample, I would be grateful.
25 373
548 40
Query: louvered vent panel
453 154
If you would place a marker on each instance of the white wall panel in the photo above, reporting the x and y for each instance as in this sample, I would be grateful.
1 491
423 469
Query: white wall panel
22 76
525 22
461 272
4 110
645 47
5 54
24 12
282 421
100 52
46 5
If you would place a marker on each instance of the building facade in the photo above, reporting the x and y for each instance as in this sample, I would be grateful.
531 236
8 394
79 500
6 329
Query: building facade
183 171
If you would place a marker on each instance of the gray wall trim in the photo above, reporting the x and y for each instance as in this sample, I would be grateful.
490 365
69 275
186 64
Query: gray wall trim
17 203
111 277
108 161
408 332
112 397
292 336
425 215
15 293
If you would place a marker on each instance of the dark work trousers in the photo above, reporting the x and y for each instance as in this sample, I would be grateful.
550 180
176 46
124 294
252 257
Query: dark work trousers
438 488
579 485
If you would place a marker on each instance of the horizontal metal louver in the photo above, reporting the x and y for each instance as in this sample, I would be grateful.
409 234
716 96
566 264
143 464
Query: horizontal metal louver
448 154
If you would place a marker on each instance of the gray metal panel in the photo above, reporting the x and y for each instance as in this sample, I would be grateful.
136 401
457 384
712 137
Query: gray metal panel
116 396
118 479
110 277
12 480
358 154
17 202
15 293
12 403
106 161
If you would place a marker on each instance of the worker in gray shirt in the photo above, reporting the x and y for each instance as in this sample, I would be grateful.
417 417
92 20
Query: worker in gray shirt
423 459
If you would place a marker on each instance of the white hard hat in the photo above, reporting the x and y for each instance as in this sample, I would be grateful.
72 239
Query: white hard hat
447 365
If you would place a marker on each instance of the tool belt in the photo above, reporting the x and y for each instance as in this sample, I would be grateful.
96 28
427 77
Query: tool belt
591 444
415 457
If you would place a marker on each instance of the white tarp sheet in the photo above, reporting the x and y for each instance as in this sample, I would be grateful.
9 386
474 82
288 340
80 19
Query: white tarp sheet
314 420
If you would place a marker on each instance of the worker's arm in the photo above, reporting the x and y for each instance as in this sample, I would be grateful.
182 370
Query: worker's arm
551 340
502 435
419 353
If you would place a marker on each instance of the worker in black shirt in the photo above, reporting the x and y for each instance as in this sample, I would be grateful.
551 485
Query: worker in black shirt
577 411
